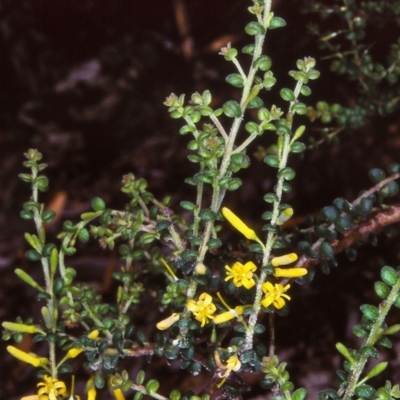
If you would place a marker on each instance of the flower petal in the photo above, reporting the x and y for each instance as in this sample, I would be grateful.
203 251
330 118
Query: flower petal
284 260
290 272
237 223
166 323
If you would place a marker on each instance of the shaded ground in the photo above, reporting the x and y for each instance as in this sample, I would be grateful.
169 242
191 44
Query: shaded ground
84 82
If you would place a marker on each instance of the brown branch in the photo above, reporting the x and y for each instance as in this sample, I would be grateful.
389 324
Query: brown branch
359 233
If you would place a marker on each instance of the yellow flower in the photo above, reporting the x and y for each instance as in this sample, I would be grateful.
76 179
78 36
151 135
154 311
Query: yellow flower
74 352
242 275
232 364
118 394
91 389
228 315
290 272
29 358
284 260
17 327
237 223
166 323
284 216
114 383
274 294
51 388
202 309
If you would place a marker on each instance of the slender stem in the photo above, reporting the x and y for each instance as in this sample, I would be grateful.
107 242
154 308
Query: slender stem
218 192
271 335
284 154
373 337
219 126
245 143
240 69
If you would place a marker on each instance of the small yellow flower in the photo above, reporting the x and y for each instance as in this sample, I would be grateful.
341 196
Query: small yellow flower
51 388
202 309
228 315
274 294
237 223
242 275
91 389
166 323
75 351
284 216
232 364
17 327
200 269
115 389
290 272
29 358
284 260
118 394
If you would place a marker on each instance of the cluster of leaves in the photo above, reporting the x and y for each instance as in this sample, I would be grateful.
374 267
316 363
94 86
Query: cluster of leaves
351 37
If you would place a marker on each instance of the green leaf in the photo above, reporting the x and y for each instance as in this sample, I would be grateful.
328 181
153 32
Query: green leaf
48 216
232 109
381 290
254 28
235 80
32 255
234 184
41 182
287 94
83 235
272 161
249 49
389 275
377 175
25 177
263 63
152 386
287 173
140 377
98 204
299 394
365 392
326 250
277 22
207 215
297 147
187 205
370 312
360 331
175 395
369 351
305 90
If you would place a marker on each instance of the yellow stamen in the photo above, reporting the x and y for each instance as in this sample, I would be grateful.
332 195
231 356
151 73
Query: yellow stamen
169 269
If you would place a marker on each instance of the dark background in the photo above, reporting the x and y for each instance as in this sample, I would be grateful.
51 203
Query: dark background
84 82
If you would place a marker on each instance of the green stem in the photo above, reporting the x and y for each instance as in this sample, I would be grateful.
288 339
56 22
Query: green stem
245 143
271 236
374 336
218 192
219 127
